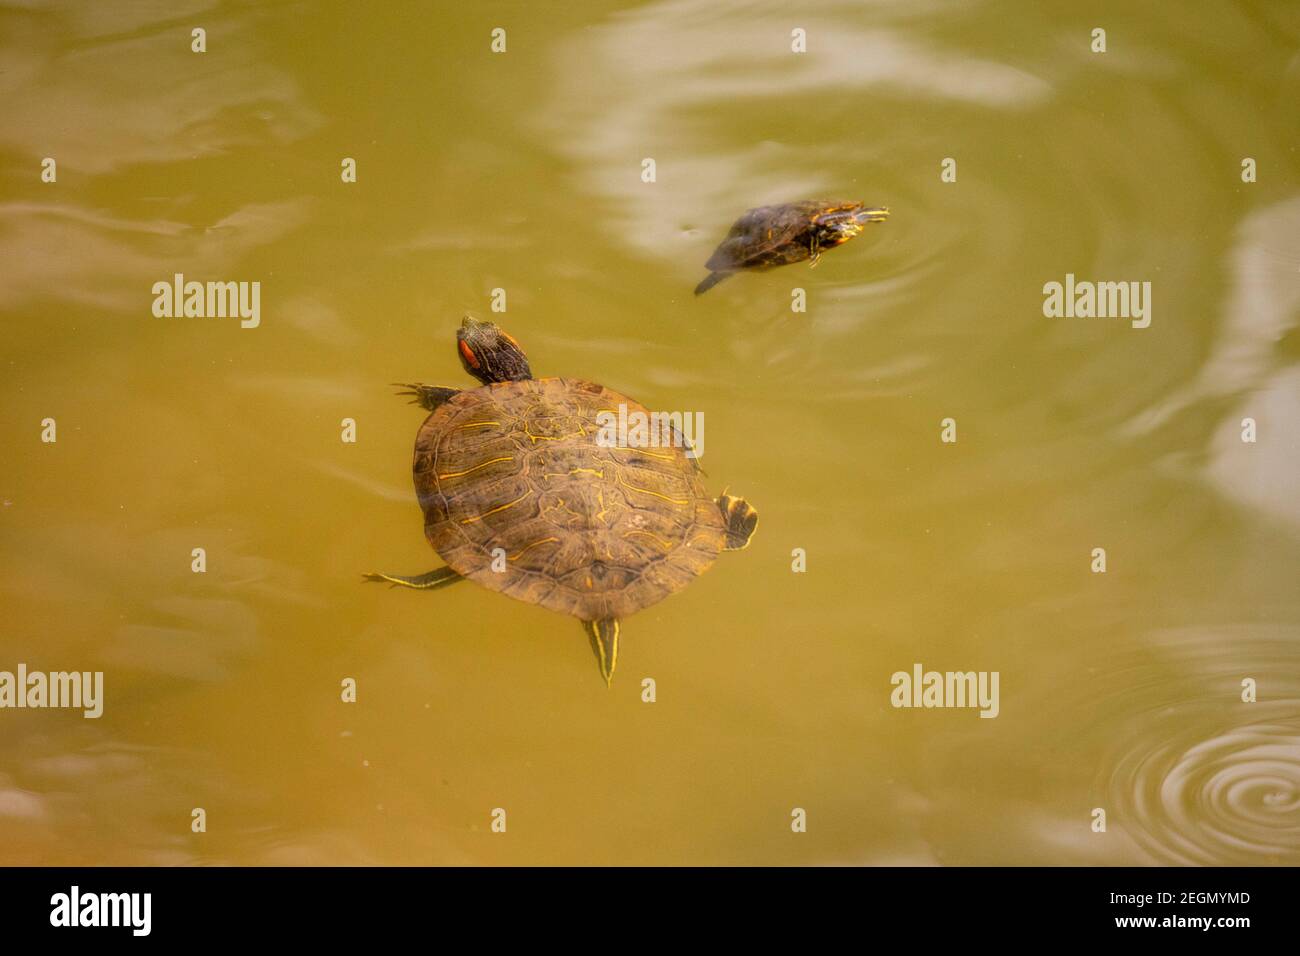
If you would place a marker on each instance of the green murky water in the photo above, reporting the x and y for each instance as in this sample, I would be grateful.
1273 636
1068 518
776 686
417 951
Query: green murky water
522 171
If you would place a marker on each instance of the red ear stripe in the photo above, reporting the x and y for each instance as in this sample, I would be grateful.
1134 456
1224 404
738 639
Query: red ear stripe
468 352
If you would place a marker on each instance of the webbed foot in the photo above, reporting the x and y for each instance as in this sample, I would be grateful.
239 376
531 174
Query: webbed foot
741 520
427 397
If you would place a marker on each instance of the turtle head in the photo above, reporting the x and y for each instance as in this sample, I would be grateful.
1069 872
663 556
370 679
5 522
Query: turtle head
489 354
839 222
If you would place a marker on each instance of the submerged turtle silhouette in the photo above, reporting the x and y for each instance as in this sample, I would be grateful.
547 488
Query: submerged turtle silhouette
772 236
521 495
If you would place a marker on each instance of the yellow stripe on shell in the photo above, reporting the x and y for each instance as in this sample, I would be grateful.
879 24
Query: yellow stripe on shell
490 461
508 504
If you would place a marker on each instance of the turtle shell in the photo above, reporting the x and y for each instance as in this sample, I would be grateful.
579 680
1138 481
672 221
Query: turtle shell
585 529
770 236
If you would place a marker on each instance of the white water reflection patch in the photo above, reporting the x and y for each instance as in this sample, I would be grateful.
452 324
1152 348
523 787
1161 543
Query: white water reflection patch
711 59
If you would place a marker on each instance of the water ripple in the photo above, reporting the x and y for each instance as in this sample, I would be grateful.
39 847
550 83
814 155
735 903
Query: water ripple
1231 798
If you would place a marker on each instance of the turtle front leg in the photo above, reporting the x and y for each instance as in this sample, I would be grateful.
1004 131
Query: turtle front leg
604 642
421 582
740 519
428 397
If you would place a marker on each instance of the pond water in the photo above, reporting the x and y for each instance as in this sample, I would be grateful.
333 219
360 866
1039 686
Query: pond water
524 171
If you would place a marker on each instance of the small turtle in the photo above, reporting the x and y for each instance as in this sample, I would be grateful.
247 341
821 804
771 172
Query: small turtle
772 236
525 494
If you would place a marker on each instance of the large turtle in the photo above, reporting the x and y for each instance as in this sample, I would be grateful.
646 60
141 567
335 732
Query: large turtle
772 236
523 492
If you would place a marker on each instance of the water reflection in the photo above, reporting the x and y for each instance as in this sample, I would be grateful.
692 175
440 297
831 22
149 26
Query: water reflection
713 67
521 172
67 94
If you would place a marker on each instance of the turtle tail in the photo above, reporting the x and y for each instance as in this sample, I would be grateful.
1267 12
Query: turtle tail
712 279
604 641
